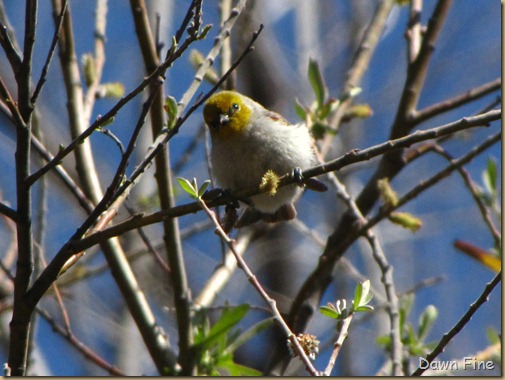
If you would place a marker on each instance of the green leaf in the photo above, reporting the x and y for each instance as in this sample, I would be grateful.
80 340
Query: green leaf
363 308
362 296
492 336
187 187
358 291
384 340
316 80
426 321
113 90
171 110
89 68
410 337
406 220
203 188
248 334
229 318
489 176
205 31
329 312
300 110
235 369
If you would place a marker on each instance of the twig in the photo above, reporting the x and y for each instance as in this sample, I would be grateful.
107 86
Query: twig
423 185
393 304
459 325
163 175
50 54
113 137
110 114
80 346
222 274
209 60
264 295
8 212
414 31
342 335
394 144
10 51
475 194
449 104
387 280
360 63
11 104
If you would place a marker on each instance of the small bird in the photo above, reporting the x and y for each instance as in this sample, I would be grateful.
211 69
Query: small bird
247 142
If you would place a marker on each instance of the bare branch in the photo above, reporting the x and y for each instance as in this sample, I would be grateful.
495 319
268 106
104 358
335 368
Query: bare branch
50 54
450 104
483 298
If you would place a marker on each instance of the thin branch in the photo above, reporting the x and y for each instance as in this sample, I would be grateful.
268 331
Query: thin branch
423 185
414 31
475 194
342 335
111 113
393 307
403 142
387 279
222 274
11 104
80 346
483 298
8 212
50 54
417 71
209 60
450 104
261 291
163 175
360 64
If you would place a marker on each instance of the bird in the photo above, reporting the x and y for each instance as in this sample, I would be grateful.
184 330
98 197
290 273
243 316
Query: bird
250 143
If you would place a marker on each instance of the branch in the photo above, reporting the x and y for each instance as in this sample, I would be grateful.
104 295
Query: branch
352 157
9 49
475 194
412 194
483 298
163 176
111 113
222 274
417 71
348 231
50 54
342 335
8 212
450 104
261 291
361 62
20 323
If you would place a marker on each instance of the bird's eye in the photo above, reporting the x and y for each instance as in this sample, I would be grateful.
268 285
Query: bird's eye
235 107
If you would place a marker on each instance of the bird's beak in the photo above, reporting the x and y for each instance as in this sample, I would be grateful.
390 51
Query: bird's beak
223 119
